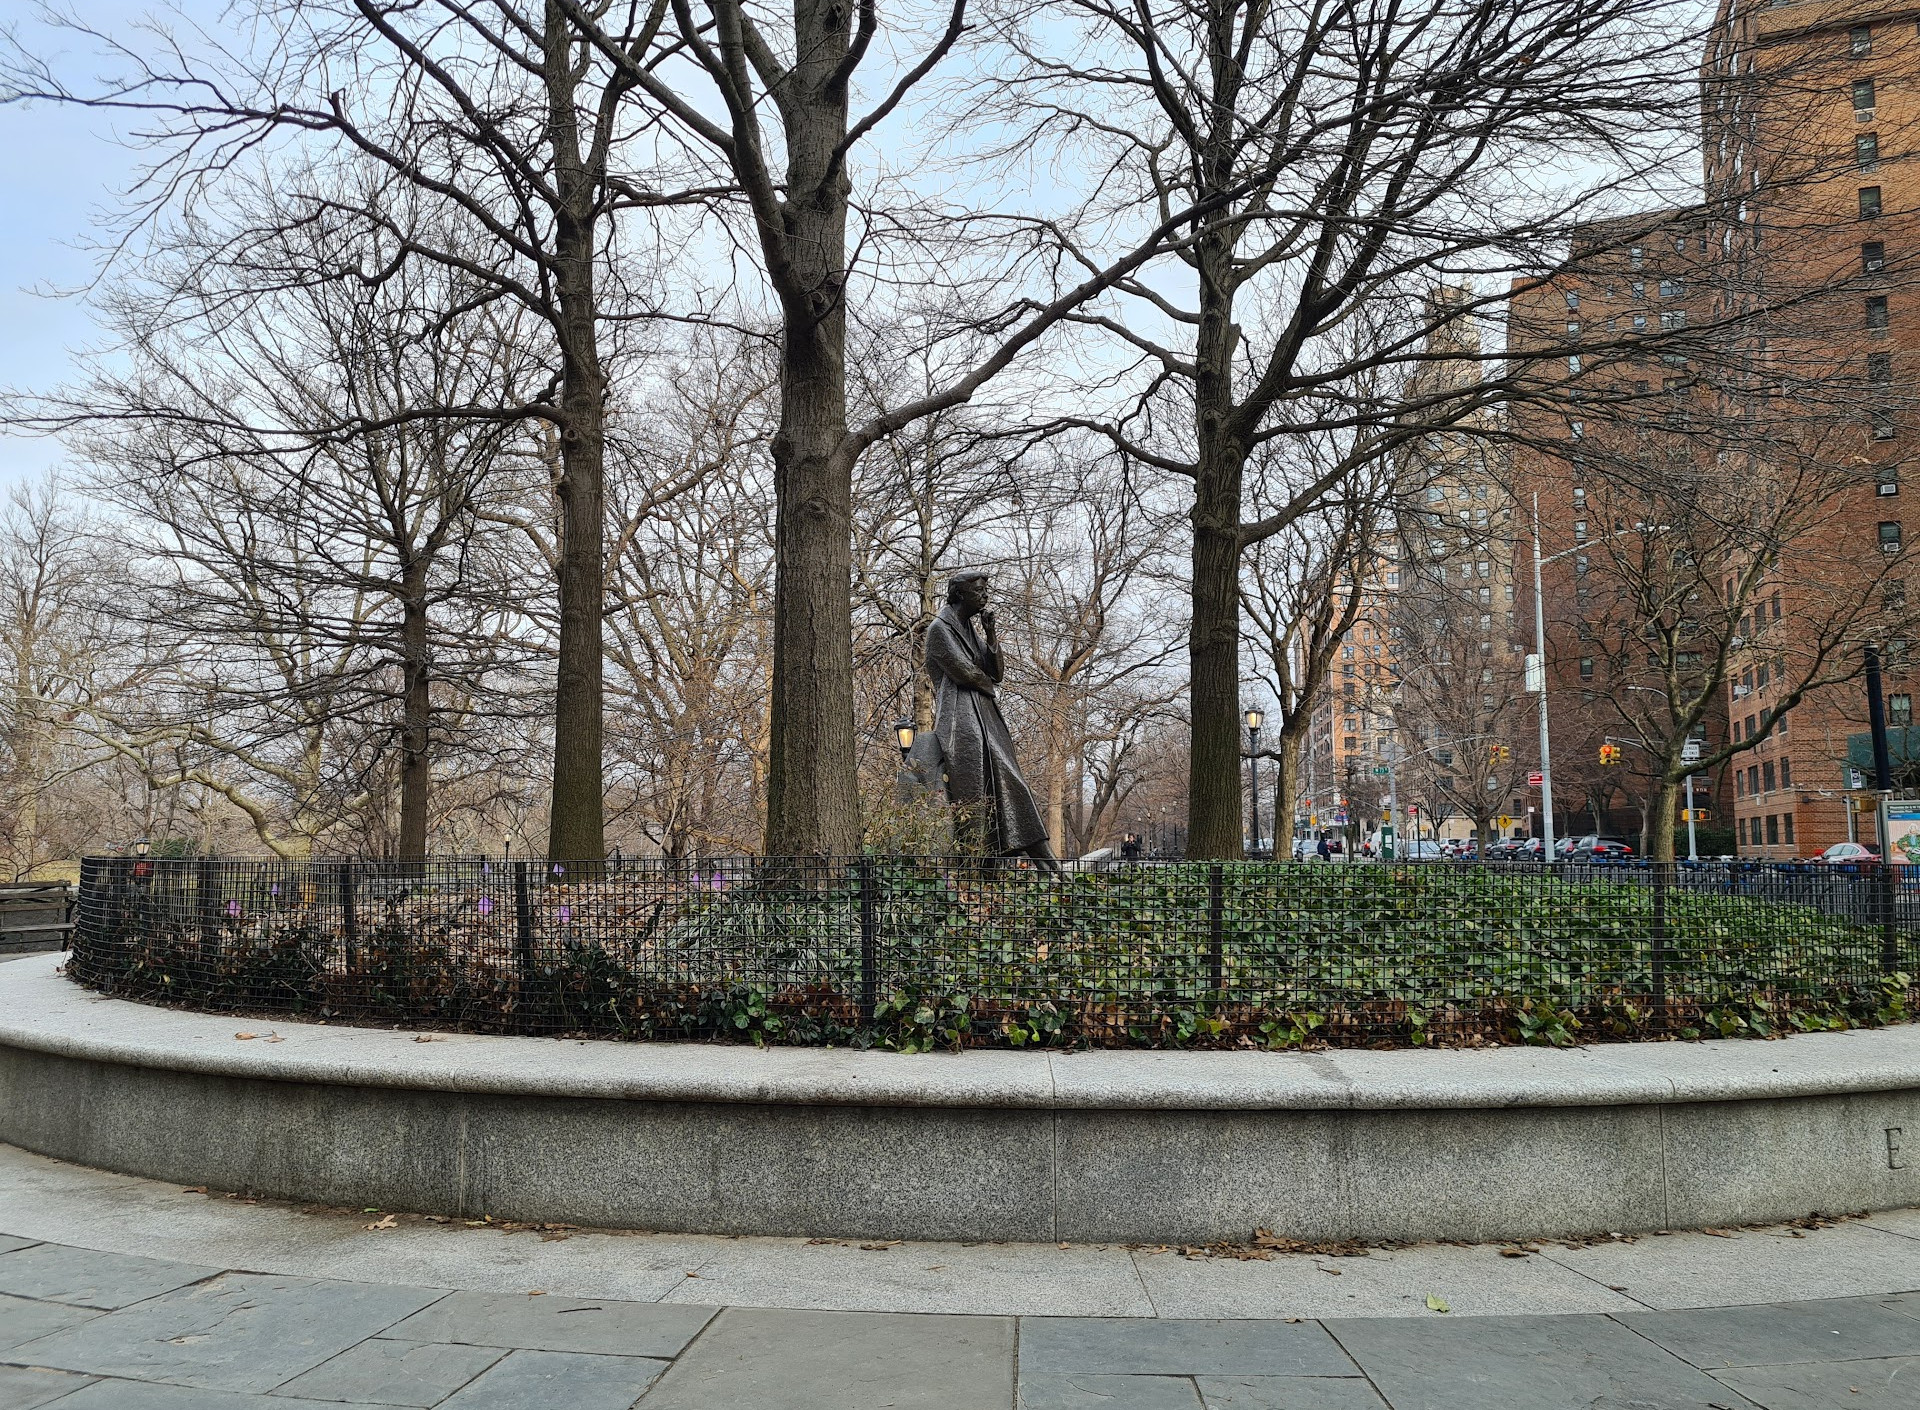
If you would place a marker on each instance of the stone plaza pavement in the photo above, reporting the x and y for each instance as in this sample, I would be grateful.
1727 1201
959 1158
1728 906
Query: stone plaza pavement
126 1294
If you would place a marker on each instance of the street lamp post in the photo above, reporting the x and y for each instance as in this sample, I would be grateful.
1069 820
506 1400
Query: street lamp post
1254 720
903 736
1538 681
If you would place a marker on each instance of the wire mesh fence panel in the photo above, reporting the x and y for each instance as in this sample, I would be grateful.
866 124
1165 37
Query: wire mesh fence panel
922 951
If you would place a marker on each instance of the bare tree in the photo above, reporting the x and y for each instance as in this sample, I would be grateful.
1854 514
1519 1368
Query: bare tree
503 143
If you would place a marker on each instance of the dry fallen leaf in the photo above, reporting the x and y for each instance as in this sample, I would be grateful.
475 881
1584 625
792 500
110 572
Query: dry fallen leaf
194 1190
881 1248
390 1222
244 1036
1437 1303
1513 1253
275 1038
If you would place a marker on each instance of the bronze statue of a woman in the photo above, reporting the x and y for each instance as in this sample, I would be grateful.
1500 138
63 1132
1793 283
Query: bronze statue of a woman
993 808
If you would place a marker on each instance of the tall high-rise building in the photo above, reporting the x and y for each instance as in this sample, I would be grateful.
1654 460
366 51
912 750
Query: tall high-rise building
1719 451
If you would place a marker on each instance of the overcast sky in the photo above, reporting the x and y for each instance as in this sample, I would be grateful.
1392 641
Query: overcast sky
61 170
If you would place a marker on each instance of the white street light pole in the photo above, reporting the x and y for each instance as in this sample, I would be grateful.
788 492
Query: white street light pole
1539 683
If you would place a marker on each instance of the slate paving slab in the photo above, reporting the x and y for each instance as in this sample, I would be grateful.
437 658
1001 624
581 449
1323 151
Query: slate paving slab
240 1331
1889 1383
145 1395
8 1243
842 1361
1286 1393
22 1320
1772 1334
87 1278
381 1372
547 1323
29 1387
1148 1346
1087 1392
1525 1363
550 1380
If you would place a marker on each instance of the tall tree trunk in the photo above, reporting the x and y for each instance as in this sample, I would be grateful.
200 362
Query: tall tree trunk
1663 810
813 805
1213 643
1286 773
576 829
416 760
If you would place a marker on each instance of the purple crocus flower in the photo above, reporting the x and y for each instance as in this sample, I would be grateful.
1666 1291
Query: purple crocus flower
566 914
233 909
484 905
559 870
274 890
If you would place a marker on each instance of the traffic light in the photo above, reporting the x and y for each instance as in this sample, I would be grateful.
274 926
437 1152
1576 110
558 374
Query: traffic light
1610 754
1506 753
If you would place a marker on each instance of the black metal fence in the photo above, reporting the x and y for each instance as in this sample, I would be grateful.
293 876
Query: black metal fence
917 952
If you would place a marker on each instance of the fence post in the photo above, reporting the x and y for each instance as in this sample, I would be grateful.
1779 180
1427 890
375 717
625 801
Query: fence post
1662 879
1216 927
869 939
206 899
522 920
349 914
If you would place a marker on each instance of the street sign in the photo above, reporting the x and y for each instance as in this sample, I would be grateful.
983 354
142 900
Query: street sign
1855 780
1690 752
1535 779
1379 770
1503 822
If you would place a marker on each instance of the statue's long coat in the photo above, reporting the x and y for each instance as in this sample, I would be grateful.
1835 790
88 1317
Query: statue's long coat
983 778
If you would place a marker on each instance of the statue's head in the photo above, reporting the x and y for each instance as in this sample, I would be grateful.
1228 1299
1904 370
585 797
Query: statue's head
967 590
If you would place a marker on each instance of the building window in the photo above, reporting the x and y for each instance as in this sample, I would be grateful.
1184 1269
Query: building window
1860 41
1577 430
1673 288
1639 323
1866 151
1638 288
1869 202
1753 778
1573 302
1880 423
1766 776
1786 778
1879 368
1886 478
1586 668
1893 595
1740 791
1786 828
1876 316
1580 559
1673 319
1573 361
1873 256
1900 710
1863 95
1889 535
1773 829
1637 256
1780 726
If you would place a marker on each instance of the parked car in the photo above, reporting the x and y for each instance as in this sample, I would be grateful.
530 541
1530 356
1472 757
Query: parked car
1601 849
1529 849
1418 850
1501 849
1847 854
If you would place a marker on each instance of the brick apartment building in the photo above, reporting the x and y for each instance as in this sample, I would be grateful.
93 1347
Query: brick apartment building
1797 278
